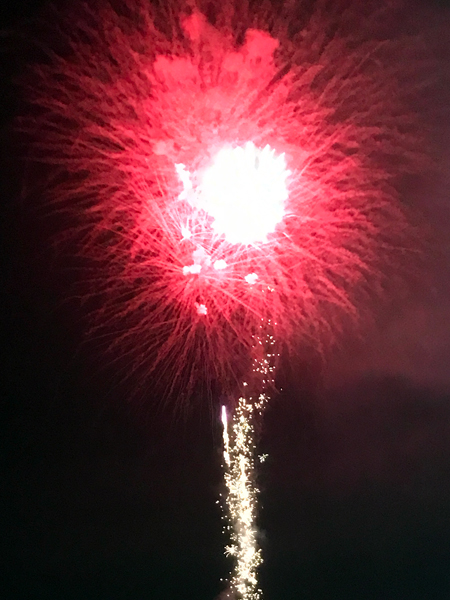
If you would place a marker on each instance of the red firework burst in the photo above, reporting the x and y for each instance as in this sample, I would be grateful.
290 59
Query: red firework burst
135 105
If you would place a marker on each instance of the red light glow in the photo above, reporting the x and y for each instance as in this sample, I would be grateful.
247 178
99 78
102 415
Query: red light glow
219 171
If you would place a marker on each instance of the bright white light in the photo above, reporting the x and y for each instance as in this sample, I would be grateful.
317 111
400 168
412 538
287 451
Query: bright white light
244 191
201 309
219 265
185 233
251 278
192 269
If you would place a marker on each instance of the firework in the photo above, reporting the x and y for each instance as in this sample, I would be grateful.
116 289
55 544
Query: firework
143 111
230 171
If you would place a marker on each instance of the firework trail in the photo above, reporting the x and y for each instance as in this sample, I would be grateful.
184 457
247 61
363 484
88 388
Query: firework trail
241 499
225 165
239 462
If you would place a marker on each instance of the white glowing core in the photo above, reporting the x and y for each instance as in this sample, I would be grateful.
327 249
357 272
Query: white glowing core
251 278
244 190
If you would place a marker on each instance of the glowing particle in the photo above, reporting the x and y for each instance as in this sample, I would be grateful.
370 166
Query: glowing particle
185 233
192 269
201 309
219 265
251 278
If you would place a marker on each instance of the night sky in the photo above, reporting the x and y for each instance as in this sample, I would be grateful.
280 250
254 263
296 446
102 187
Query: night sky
108 492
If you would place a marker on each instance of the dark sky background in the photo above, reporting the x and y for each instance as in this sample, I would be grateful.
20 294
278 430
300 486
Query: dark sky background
110 499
